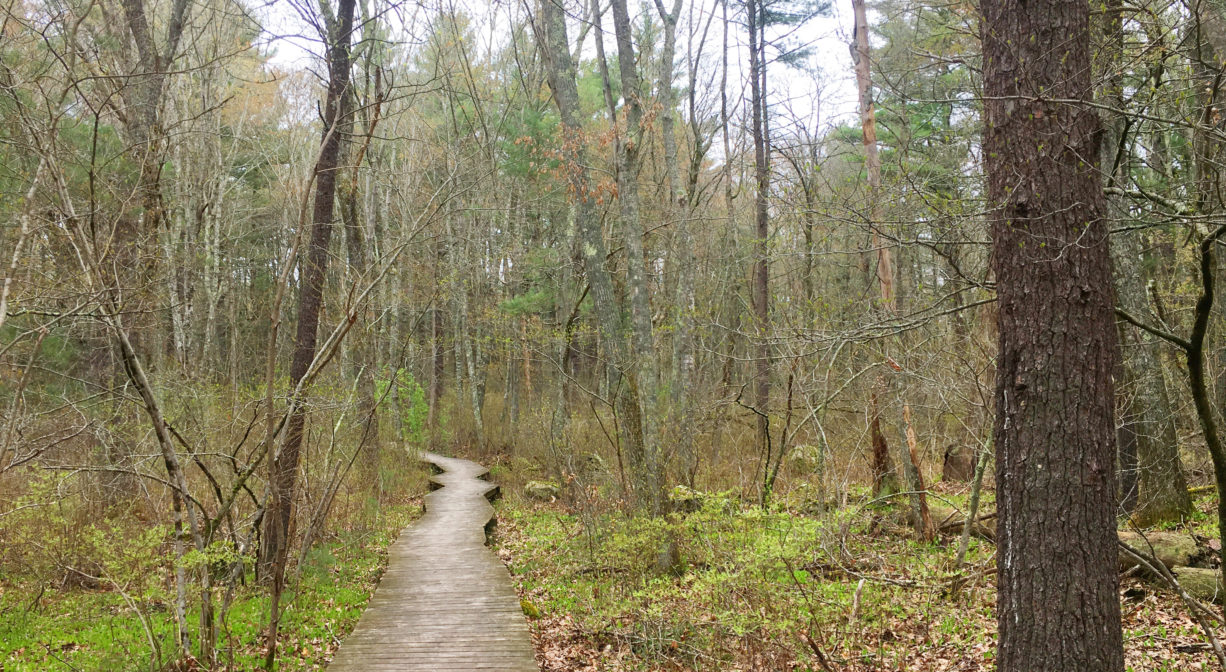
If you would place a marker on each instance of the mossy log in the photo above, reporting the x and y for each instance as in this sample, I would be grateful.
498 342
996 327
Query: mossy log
1173 549
1201 583
545 491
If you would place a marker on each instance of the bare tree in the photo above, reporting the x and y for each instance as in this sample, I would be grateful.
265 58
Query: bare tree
283 468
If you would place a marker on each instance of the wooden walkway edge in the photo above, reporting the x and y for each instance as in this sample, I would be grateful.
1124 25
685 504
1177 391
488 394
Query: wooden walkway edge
446 602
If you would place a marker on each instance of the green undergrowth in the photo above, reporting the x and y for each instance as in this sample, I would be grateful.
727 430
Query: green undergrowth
1204 520
105 629
752 588
774 589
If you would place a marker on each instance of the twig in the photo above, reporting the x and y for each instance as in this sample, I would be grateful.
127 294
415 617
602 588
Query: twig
1195 608
808 636
817 651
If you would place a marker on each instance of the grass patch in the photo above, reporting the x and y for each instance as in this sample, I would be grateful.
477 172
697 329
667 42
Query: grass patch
755 587
105 630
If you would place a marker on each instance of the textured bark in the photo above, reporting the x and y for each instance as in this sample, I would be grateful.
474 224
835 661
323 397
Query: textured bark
551 27
1194 350
681 413
1205 150
438 357
132 256
1161 489
1206 31
885 479
310 292
1115 126
566 304
476 361
915 476
143 98
676 193
627 185
1058 607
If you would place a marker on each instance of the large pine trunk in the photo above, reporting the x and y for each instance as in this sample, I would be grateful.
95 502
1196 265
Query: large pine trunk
1058 607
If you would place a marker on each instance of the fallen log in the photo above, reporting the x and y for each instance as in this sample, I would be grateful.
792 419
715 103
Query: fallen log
1201 583
1173 549
950 521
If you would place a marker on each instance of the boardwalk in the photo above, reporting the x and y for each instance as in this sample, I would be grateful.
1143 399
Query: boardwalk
446 602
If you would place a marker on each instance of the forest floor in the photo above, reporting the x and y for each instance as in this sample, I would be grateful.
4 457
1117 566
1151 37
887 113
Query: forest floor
783 589
787 587
108 625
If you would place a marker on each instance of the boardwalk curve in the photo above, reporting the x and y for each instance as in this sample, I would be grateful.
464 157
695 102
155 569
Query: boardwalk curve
446 603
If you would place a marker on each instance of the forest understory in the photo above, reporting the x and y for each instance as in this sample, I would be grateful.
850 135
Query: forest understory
92 593
755 589
764 590
823 335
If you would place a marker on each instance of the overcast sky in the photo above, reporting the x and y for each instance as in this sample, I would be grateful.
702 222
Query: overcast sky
793 94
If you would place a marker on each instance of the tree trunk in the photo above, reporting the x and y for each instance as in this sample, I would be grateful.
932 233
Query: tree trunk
550 28
644 439
476 363
143 97
724 118
181 508
915 481
274 542
1194 350
1160 489
1058 607
363 353
668 101
681 414
761 269
885 479
872 160
566 304
438 360
1152 483
982 455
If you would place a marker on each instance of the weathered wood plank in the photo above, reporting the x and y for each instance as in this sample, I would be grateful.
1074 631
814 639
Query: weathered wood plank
445 602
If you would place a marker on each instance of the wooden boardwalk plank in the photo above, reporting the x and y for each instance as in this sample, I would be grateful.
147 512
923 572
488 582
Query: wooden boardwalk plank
445 603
